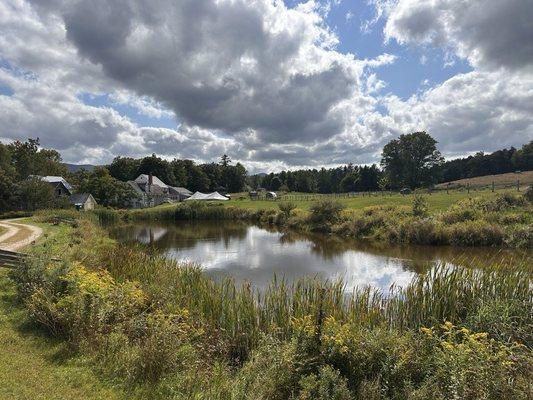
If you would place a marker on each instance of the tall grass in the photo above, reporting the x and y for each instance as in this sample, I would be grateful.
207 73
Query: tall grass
145 318
241 314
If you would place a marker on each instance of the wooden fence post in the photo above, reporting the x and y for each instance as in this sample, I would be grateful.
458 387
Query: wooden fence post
518 185
492 186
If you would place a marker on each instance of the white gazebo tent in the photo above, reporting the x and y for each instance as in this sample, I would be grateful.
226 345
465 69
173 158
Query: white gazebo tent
199 196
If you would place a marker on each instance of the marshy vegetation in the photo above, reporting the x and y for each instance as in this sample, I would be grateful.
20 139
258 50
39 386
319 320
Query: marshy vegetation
165 330
504 220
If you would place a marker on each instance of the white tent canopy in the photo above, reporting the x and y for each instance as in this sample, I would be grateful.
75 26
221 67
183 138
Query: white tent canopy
207 196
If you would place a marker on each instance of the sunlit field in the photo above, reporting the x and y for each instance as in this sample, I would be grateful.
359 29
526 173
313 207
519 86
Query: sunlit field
437 201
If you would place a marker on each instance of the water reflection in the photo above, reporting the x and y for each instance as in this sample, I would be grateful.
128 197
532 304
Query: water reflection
250 253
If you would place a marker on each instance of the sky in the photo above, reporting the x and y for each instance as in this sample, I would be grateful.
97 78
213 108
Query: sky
274 84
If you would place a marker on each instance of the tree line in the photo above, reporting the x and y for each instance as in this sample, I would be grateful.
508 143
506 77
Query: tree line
222 176
410 161
108 184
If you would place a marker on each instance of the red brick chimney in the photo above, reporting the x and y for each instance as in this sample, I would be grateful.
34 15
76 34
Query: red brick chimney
150 179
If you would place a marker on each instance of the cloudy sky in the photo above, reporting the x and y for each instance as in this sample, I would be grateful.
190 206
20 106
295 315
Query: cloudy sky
272 83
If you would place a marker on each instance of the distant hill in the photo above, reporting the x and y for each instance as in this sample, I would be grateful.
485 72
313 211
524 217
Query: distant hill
77 167
501 180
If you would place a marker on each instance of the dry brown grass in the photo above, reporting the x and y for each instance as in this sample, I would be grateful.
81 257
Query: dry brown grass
501 180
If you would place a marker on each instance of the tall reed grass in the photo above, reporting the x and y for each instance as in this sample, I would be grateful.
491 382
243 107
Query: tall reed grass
242 314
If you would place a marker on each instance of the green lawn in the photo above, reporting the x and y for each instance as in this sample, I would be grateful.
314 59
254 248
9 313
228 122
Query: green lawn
35 366
438 201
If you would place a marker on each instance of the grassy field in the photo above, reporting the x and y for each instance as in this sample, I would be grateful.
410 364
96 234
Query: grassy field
34 365
500 180
437 201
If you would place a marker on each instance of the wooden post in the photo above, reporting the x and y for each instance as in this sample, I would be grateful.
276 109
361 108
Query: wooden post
518 185
448 188
468 187
492 186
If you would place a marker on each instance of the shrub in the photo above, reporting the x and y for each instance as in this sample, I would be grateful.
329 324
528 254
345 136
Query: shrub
420 206
324 213
286 208
77 303
475 233
458 214
470 365
271 374
423 231
520 237
328 384
363 354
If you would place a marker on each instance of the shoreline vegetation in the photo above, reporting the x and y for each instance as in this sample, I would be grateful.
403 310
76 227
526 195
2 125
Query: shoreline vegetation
163 329
502 220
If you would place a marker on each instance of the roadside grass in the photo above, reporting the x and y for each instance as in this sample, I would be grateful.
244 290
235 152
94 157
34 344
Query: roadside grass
437 201
2 230
34 365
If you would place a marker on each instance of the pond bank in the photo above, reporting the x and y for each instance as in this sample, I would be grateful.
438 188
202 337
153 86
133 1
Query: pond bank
503 221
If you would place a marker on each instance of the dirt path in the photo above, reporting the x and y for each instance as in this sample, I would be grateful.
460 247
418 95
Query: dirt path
18 235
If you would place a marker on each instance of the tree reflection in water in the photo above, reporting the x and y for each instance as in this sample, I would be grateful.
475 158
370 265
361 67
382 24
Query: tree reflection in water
250 253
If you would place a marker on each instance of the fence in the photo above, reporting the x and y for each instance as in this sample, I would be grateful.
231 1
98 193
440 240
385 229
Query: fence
448 189
10 259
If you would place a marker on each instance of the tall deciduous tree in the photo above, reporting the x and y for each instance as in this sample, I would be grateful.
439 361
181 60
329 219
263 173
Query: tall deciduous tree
124 168
411 160
28 159
107 190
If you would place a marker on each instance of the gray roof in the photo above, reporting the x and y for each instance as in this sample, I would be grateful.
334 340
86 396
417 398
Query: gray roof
143 179
135 186
79 198
53 179
181 190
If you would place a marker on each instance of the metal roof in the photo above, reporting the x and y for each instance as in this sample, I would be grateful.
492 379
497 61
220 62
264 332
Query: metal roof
143 179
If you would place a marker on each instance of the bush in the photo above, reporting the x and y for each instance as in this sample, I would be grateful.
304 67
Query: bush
286 208
324 213
328 384
458 214
420 206
74 302
475 233
470 365
423 231
520 237
363 354
147 348
271 374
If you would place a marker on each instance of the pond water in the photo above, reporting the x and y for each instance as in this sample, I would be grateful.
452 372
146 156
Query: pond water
254 254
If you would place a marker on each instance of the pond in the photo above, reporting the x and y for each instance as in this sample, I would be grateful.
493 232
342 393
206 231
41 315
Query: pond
255 254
